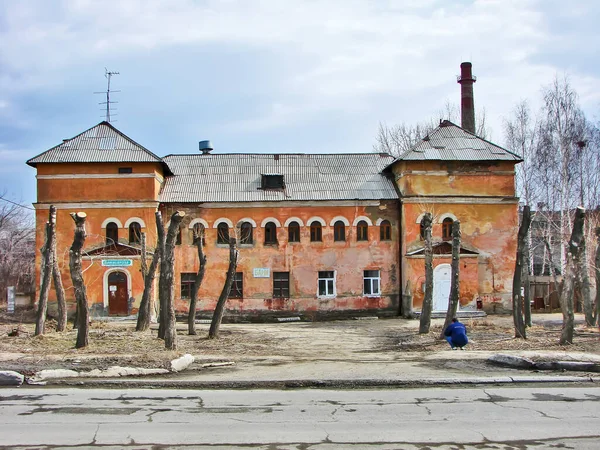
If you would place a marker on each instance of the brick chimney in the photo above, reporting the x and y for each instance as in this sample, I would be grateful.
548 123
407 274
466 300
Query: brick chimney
467 104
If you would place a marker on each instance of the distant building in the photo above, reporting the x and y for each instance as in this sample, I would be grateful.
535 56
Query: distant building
320 234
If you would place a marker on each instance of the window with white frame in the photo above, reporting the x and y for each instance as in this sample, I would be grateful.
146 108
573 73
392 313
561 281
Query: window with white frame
327 283
372 283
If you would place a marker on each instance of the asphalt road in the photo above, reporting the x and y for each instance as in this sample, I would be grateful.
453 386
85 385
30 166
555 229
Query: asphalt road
432 418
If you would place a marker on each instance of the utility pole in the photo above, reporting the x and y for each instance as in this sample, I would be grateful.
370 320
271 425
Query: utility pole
108 76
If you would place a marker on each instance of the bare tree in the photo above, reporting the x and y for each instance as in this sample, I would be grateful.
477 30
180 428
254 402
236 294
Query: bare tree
143 320
597 273
48 265
516 287
199 241
17 247
166 288
398 139
61 303
455 281
425 319
77 279
566 298
213 332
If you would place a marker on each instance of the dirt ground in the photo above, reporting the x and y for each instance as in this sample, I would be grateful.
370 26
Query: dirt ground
117 343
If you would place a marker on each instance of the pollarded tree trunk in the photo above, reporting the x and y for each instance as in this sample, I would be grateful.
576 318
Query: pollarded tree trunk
77 278
566 297
197 283
425 321
407 302
552 270
48 265
586 288
166 277
527 282
160 247
60 294
516 287
455 281
213 332
143 320
597 276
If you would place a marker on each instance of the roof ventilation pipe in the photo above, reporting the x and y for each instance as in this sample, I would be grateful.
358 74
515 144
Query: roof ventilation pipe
205 147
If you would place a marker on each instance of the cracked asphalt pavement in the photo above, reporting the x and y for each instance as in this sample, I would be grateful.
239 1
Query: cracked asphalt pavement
425 418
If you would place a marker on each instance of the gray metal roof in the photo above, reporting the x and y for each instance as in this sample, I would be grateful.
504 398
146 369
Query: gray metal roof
449 142
101 143
237 177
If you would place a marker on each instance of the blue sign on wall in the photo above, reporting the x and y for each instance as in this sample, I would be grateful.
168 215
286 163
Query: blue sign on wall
117 263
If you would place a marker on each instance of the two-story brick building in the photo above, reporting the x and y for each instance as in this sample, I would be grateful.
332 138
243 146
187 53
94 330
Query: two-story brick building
318 233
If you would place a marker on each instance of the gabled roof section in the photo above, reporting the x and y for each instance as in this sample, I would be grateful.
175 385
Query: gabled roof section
443 248
116 249
237 177
101 143
449 142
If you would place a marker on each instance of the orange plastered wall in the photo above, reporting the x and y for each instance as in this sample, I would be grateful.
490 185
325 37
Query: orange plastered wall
490 228
69 183
96 235
468 276
452 178
303 260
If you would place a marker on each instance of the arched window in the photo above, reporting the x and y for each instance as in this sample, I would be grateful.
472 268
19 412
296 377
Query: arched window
197 233
135 233
246 233
294 232
112 233
447 229
385 231
270 233
339 231
362 231
222 233
316 232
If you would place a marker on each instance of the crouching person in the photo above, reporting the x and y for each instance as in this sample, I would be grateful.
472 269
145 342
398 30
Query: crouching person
456 335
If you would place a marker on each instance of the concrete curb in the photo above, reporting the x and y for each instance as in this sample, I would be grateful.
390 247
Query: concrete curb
318 384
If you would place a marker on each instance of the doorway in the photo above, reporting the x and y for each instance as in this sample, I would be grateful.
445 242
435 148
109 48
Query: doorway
118 294
442 276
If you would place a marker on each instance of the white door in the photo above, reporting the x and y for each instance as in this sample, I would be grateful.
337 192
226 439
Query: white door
441 287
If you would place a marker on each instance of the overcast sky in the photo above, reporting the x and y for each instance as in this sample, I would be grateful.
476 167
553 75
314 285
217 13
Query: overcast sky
274 75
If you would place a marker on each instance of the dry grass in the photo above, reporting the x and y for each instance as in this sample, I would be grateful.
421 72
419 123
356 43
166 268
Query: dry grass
117 343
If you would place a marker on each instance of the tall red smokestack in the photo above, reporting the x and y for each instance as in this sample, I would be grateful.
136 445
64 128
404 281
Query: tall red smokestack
467 104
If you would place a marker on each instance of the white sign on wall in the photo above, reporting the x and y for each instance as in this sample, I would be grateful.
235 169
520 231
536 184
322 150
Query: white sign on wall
261 272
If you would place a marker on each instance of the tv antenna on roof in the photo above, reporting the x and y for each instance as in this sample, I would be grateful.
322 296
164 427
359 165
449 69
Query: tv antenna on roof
108 76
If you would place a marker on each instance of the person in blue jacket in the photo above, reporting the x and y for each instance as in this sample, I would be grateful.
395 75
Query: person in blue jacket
456 335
